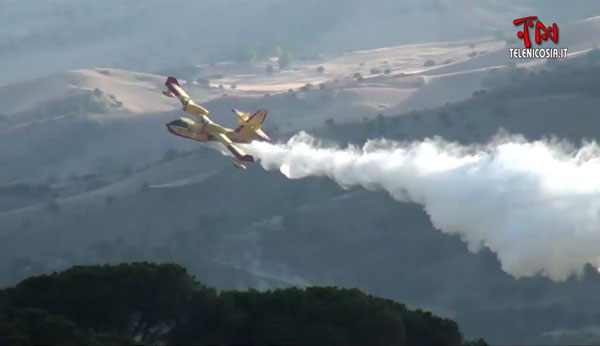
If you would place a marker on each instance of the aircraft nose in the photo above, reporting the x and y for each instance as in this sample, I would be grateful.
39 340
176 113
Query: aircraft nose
178 123
169 126
176 126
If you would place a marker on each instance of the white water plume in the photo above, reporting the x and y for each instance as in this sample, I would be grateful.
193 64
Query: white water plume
535 204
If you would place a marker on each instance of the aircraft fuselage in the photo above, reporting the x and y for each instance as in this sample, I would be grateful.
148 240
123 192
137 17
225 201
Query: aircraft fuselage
200 130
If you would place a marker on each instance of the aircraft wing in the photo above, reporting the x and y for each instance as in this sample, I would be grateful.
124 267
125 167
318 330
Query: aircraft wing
174 89
235 150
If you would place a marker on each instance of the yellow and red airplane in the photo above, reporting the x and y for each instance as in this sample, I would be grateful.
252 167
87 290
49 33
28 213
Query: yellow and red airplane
202 129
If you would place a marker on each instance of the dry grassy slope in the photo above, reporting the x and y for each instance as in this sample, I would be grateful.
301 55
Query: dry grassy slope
536 113
133 89
49 120
136 91
408 86
62 147
69 123
74 122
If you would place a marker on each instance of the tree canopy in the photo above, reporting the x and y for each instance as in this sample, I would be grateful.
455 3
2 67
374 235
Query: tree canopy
285 60
151 303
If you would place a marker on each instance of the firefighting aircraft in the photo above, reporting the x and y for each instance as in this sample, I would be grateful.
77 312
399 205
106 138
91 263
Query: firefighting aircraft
202 129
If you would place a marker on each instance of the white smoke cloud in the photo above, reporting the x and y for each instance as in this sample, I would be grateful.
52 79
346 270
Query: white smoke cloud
535 204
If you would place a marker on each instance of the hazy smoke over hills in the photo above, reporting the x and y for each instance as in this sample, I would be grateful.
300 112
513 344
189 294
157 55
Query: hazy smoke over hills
535 204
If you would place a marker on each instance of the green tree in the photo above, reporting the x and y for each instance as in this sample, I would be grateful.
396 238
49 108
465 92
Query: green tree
423 328
285 60
161 303
36 327
248 54
316 315
429 63
137 298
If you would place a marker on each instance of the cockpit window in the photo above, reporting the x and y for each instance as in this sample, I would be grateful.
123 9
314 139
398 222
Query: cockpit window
179 123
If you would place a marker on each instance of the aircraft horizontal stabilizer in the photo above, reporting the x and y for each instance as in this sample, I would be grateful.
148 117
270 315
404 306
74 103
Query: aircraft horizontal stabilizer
262 135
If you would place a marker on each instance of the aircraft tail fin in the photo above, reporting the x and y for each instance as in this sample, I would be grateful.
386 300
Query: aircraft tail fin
172 80
257 118
174 89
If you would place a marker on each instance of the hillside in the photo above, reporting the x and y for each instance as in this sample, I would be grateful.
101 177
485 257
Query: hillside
103 110
49 38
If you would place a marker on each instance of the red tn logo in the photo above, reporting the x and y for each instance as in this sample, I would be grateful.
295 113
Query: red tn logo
542 33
